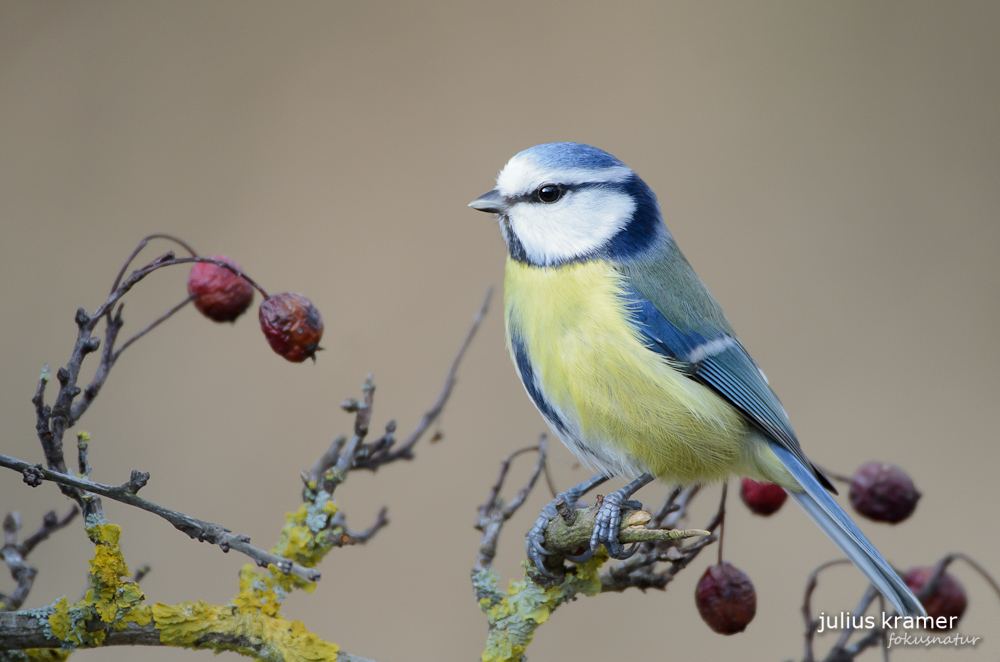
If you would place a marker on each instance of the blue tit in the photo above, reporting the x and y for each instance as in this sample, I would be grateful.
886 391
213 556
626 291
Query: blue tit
629 358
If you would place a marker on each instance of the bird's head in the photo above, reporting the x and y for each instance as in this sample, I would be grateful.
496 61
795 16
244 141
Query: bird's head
565 202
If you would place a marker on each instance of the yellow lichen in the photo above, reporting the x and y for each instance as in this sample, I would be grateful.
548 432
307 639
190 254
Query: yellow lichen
184 624
250 624
60 619
248 631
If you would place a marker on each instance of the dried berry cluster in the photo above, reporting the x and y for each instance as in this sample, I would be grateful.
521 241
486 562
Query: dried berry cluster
725 596
290 322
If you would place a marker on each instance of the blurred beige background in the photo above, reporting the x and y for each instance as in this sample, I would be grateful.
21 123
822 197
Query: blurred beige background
831 169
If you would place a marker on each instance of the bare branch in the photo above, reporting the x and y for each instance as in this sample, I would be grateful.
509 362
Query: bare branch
493 515
50 524
195 528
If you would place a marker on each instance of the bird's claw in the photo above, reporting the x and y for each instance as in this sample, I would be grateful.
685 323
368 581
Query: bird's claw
607 523
536 536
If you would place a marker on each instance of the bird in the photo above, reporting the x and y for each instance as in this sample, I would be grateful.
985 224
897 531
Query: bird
629 358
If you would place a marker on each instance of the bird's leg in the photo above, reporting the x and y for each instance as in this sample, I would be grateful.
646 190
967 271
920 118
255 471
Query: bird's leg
609 519
536 536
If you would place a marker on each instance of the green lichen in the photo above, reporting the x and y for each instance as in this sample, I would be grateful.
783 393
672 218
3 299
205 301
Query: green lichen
514 618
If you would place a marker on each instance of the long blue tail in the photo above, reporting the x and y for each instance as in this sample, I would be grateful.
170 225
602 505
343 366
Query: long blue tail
823 510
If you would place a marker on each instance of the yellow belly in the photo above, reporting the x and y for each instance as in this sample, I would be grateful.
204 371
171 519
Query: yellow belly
616 395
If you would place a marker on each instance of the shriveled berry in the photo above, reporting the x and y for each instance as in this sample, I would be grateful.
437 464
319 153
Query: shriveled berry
762 498
883 492
292 326
948 601
726 598
219 294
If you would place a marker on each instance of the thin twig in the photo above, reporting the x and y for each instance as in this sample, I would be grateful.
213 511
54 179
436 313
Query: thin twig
142 244
515 503
492 514
158 321
373 460
867 598
811 624
50 524
361 537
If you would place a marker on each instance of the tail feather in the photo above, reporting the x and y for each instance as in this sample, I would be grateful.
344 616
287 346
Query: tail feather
823 510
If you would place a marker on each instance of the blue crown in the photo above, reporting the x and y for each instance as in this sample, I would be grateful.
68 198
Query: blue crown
571 155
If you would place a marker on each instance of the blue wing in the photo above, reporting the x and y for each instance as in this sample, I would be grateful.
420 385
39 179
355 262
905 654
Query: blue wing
718 360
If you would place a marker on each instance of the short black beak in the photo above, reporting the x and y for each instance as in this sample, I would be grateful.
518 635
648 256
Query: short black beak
491 202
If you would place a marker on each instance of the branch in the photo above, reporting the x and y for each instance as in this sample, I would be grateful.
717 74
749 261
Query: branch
27 629
195 528
15 554
493 514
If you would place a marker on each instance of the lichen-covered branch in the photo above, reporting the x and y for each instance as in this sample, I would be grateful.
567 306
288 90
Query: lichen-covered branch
114 611
514 615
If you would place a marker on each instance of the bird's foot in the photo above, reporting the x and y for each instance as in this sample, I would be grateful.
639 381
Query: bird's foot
609 519
534 543
606 525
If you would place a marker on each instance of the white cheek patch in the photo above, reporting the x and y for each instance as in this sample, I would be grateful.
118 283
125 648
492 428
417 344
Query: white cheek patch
578 224
521 176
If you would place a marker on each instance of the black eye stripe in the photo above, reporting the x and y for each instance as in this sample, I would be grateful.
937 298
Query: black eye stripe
566 188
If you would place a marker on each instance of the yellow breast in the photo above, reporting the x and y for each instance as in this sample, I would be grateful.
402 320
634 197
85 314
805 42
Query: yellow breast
617 395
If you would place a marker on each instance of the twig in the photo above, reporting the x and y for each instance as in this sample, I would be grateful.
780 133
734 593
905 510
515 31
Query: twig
405 452
811 624
867 598
142 244
362 537
160 320
640 570
15 554
493 514
935 581
195 528
50 524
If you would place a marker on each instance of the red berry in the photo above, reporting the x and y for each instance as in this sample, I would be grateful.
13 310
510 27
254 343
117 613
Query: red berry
762 498
292 326
948 601
219 294
726 598
883 492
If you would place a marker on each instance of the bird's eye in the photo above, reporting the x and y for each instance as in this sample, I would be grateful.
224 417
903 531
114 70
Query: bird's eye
549 193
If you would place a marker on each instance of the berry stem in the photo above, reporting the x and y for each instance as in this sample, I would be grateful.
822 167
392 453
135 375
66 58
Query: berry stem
163 318
834 475
722 518
166 260
141 245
